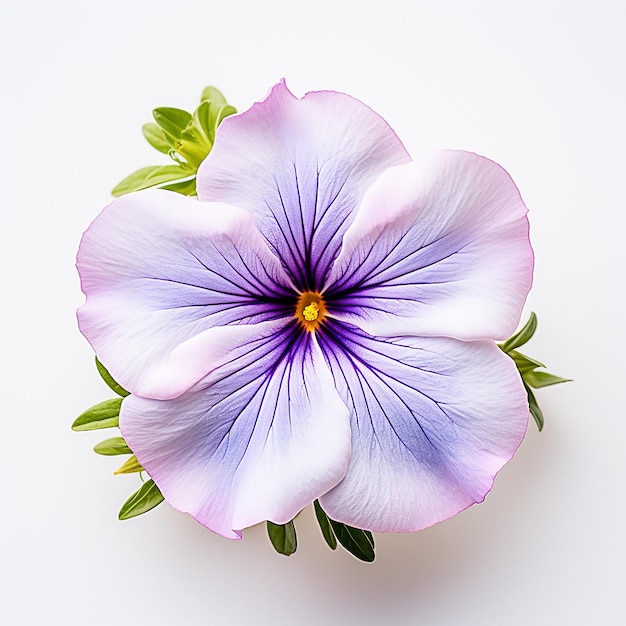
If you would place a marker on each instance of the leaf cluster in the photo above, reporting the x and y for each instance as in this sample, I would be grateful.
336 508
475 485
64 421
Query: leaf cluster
106 414
528 367
360 543
186 138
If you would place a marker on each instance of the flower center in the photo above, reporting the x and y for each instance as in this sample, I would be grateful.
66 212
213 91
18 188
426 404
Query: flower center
310 310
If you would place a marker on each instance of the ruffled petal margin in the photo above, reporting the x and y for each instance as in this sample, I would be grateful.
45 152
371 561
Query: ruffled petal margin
301 167
259 438
433 421
158 269
436 249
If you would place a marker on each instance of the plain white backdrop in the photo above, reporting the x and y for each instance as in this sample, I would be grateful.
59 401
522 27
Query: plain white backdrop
538 86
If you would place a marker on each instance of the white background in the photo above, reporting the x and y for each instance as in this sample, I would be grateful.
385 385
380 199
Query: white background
536 86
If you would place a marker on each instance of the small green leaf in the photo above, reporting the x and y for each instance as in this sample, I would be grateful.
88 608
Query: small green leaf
202 117
224 112
212 110
102 415
112 447
283 537
543 379
524 363
131 466
108 379
186 187
326 528
143 500
200 130
522 336
193 144
358 542
151 176
213 95
535 411
134 181
216 115
156 137
172 121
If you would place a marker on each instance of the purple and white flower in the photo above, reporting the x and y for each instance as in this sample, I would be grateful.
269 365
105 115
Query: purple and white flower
319 323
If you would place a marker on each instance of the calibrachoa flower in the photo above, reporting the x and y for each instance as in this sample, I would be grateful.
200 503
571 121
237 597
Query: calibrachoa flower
319 323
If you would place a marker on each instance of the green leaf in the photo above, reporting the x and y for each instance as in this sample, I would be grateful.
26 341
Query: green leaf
131 466
201 123
167 174
324 522
143 500
112 447
522 336
151 176
102 415
224 112
172 121
212 110
283 537
134 181
535 411
213 95
108 379
358 542
543 379
186 187
202 118
524 363
216 115
156 137
194 144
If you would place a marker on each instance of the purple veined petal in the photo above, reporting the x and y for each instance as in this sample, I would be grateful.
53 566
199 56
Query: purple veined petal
301 167
158 269
433 420
438 249
260 437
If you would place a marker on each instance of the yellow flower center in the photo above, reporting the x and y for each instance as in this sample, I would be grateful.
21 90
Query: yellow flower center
310 310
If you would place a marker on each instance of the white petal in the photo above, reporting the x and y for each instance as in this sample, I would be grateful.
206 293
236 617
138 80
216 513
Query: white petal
300 166
260 437
433 421
158 269
439 249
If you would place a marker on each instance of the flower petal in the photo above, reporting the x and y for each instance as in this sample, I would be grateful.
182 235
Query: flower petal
433 421
438 249
158 269
260 437
300 166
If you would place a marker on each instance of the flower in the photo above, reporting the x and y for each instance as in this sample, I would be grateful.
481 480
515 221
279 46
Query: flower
319 323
